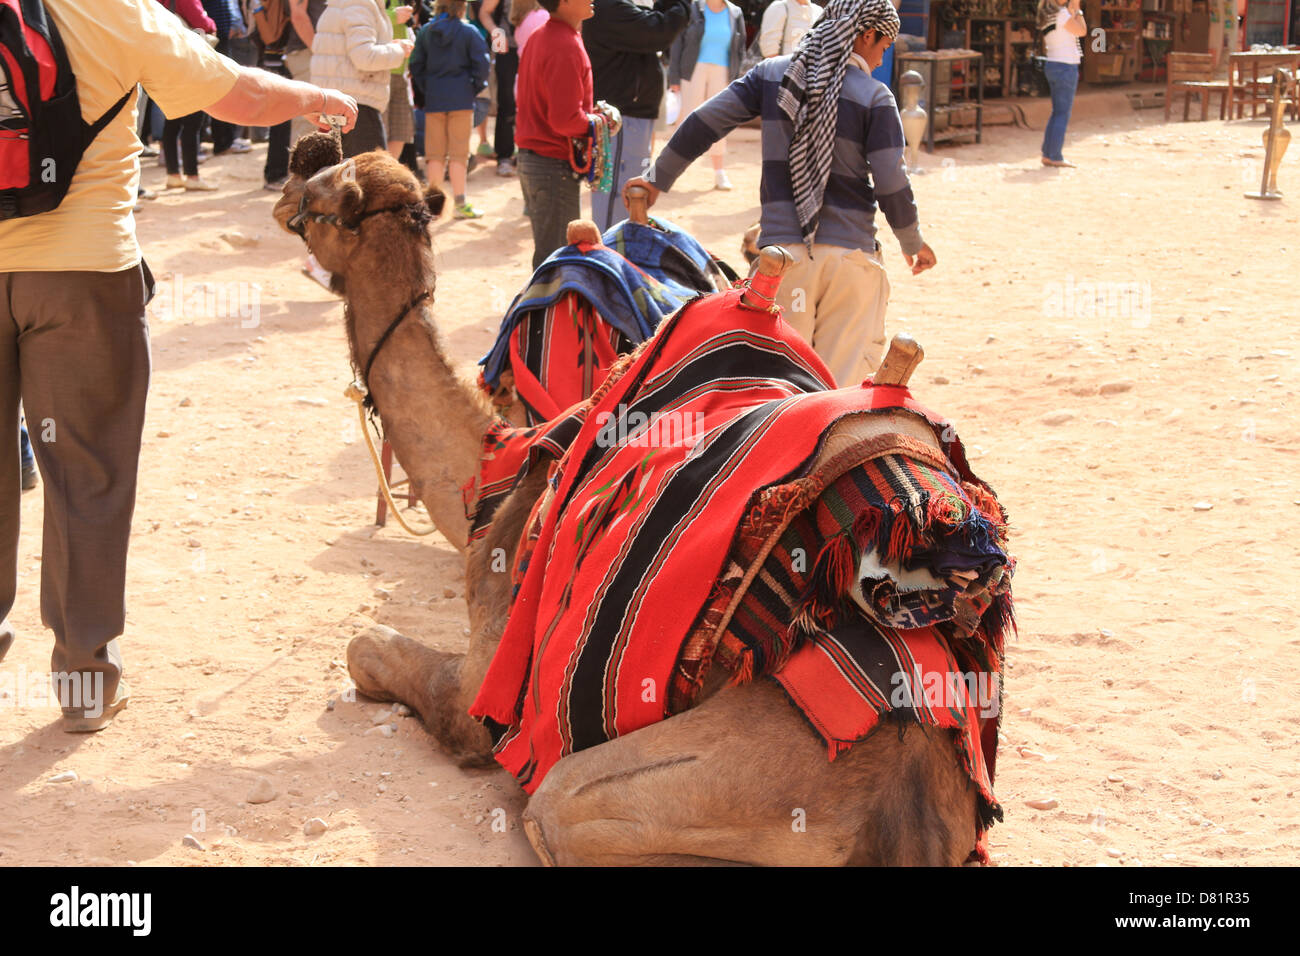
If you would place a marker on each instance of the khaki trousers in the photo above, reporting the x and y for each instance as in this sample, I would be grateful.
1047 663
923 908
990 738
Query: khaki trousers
75 346
836 300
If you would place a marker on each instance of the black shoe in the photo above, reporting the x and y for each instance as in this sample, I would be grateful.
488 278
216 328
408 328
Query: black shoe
30 476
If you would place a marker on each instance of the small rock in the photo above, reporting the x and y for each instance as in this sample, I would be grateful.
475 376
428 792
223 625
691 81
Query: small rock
1217 775
449 592
316 402
186 403
164 435
1044 803
381 716
68 776
314 827
401 710
1114 778
939 380
1114 854
263 791
1057 418
329 704
1203 506
239 240
384 730
189 841
1114 388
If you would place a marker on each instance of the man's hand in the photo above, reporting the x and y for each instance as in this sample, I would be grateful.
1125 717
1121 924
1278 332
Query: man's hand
644 184
337 104
923 260
402 14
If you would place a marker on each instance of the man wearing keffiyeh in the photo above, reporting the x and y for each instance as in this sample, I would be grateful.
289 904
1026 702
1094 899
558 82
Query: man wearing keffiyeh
832 152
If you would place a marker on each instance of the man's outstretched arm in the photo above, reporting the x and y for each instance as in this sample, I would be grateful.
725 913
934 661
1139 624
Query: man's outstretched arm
259 98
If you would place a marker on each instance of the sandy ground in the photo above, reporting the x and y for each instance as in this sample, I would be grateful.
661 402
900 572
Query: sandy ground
1144 446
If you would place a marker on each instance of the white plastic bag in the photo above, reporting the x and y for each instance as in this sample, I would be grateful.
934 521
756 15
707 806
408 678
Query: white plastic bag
672 107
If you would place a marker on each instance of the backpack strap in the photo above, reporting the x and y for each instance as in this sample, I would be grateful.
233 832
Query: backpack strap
91 130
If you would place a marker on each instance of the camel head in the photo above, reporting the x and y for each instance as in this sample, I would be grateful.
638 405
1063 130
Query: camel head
341 207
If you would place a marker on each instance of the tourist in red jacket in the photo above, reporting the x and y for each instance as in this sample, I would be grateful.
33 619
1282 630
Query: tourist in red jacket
554 106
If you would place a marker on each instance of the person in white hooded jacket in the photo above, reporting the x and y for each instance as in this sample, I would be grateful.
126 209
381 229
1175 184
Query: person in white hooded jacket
354 51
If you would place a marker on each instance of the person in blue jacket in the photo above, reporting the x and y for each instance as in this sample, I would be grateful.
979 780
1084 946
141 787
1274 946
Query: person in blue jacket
450 65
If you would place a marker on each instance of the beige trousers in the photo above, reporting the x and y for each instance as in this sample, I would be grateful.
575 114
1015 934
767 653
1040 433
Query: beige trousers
708 80
836 300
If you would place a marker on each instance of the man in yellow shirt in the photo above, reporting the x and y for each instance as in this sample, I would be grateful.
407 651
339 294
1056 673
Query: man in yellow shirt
74 341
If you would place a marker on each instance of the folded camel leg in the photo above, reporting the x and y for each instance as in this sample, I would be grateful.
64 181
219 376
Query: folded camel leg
437 685
742 779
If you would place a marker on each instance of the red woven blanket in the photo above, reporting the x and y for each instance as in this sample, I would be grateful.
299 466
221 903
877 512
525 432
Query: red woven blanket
711 431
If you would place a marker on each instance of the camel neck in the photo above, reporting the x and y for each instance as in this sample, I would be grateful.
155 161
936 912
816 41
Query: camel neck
433 421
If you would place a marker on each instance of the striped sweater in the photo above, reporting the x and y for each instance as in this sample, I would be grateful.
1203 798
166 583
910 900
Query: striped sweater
867 168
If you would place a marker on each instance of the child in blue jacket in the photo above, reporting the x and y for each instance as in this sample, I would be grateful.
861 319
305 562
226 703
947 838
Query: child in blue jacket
449 66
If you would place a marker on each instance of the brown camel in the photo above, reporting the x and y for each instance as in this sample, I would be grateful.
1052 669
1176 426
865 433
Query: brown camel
727 782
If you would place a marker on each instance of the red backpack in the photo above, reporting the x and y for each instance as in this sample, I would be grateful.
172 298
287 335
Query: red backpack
42 134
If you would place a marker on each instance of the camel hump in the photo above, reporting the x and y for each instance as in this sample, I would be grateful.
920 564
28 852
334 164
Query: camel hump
582 230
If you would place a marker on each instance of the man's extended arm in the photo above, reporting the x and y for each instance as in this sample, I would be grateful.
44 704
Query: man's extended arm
884 146
623 25
738 103
259 98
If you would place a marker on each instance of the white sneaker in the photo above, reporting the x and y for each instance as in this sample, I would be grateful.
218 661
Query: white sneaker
720 180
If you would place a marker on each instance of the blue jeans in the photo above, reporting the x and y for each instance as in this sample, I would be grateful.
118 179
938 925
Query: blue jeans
552 197
1064 80
631 148
25 445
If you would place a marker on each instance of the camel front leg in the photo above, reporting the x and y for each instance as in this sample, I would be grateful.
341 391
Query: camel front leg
437 685
386 665
743 780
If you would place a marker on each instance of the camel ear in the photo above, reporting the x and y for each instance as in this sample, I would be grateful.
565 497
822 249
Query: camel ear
352 201
435 199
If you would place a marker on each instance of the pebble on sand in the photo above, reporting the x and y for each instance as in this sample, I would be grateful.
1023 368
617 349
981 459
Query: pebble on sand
381 715
190 841
1114 388
1203 506
263 791
68 776
314 827
383 730
1057 418
1044 803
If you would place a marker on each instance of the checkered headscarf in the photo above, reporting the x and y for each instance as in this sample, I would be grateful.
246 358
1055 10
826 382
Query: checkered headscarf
810 96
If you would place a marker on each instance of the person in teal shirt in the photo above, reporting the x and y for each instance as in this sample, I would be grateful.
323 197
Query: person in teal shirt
704 58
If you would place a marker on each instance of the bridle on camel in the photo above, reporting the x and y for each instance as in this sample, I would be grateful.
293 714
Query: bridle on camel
359 391
296 223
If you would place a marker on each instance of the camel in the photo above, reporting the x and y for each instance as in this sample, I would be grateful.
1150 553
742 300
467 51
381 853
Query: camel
716 785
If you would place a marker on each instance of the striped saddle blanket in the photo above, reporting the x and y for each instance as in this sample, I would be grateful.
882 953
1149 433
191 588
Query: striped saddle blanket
719 503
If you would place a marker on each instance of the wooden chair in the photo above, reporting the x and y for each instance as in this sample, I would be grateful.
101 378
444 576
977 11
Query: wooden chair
1189 73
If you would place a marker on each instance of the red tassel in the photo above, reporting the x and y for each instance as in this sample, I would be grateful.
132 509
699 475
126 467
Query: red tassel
902 538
